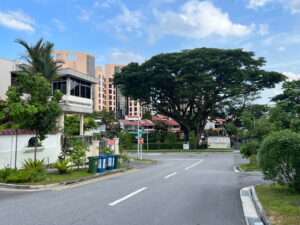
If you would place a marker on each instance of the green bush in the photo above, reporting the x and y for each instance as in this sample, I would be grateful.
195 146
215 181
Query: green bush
107 151
279 158
4 173
125 158
249 149
24 176
77 152
63 165
38 165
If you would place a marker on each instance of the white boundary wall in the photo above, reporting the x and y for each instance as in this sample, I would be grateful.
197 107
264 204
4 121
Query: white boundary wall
49 150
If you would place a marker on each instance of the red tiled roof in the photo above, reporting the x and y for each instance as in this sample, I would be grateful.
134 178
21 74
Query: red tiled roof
132 116
14 132
171 122
128 122
143 123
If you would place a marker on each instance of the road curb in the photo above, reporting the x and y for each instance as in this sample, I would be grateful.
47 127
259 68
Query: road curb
259 208
252 208
237 169
48 186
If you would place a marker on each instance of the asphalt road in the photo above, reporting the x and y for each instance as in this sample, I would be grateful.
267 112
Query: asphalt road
183 189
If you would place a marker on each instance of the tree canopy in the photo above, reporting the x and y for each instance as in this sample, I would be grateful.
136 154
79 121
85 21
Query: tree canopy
189 85
39 59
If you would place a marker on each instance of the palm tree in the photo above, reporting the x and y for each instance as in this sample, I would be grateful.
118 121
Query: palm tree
40 60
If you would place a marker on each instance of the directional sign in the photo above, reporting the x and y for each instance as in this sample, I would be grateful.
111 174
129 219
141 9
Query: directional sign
138 136
141 132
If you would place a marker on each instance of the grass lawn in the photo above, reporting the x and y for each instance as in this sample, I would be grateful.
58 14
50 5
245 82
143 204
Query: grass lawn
73 175
250 167
179 150
280 203
145 160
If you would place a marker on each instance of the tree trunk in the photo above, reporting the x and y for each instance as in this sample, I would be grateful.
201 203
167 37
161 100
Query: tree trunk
198 134
35 146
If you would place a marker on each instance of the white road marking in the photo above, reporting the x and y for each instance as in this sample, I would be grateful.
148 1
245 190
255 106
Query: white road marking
127 196
170 175
194 164
177 159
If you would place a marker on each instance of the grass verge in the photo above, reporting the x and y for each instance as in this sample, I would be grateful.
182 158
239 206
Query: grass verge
145 160
179 151
281 204
250 167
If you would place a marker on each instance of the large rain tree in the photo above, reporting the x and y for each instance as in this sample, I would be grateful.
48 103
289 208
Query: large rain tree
190 85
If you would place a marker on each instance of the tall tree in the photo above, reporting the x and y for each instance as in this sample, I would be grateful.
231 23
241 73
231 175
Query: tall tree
39 59
107 117
189 85
32 104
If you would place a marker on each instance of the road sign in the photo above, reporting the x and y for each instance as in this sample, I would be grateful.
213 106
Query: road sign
141 132
141 140
138 136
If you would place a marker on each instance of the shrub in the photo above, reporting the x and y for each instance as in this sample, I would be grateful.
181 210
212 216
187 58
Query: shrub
24 176
38 165
279 158
63 165
4 173
249 149
77 153
107 151
125 158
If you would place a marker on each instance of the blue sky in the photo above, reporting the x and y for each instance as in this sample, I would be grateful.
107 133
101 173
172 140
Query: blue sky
117 31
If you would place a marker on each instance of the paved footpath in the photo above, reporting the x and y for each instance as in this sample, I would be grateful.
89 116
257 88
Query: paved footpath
183 189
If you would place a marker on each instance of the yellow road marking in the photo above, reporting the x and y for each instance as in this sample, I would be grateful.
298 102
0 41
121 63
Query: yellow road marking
93 180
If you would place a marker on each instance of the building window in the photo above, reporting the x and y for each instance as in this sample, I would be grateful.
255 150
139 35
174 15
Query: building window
80 88
60 85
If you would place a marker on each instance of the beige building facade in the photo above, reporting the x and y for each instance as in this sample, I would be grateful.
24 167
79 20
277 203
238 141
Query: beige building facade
109 97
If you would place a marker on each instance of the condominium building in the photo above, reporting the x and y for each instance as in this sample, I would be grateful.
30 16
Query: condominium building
110 97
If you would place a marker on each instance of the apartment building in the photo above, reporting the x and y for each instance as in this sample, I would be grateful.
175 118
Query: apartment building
108 96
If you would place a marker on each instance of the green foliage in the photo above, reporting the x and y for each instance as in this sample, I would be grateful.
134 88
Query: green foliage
79 147
125 158
63 165
249 149
147 115
107 117
189 85
37 165
295 125
71 125
279 158
89 123
39 59
4 173
24 176
126 140
231 129
107 151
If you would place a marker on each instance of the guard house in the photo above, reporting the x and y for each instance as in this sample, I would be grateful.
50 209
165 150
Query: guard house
77 90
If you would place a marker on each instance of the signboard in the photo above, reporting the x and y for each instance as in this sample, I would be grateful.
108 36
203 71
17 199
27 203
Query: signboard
186 146
141 140
220 142
141 132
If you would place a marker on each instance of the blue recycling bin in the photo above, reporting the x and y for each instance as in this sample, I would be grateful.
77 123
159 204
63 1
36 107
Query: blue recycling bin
102 163
110 162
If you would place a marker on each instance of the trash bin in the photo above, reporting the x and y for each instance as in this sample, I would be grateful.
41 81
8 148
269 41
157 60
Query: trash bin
117 161
93 164
102 164
110 162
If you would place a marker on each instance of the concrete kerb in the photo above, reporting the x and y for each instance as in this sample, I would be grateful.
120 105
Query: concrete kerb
260 210
49 186
252 208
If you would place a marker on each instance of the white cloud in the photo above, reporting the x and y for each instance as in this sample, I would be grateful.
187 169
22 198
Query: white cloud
121 57
257 3
291 5
60 25
263 29
128 20
196 19
291 76
16 20
281 48
85 15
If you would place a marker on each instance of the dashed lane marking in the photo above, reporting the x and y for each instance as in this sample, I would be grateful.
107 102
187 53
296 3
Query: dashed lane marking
189 167
127 196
